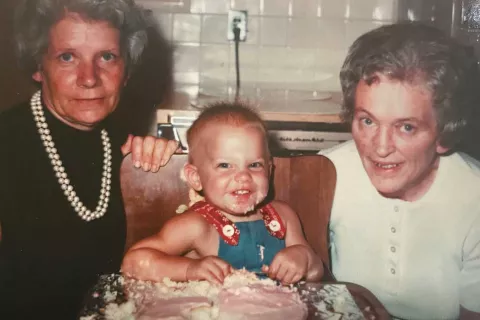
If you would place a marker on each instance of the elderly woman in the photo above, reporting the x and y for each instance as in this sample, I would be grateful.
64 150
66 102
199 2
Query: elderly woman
405 222
61 210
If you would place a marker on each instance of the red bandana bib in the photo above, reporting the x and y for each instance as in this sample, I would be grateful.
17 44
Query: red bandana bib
227 229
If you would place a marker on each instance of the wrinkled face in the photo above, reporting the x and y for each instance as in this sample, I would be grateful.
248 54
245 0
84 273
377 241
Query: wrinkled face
82 72
395 131
233 168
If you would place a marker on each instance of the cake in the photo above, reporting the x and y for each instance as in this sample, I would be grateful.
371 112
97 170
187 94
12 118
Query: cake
258 301
243 296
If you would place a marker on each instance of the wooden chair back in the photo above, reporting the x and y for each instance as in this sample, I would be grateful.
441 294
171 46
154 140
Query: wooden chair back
306 183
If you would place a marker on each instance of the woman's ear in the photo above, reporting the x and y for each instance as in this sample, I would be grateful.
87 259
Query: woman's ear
37 76
441 149
192 176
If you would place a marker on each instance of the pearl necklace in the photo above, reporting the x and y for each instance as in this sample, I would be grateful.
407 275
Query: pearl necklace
68 191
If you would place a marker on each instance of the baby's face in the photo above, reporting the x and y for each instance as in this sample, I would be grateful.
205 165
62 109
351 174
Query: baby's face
233 166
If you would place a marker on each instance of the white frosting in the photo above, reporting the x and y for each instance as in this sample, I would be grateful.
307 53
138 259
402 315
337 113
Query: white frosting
242 296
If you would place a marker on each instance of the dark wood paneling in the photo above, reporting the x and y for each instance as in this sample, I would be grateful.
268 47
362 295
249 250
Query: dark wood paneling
15 85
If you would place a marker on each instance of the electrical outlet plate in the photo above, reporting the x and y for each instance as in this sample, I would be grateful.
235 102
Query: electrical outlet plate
238 17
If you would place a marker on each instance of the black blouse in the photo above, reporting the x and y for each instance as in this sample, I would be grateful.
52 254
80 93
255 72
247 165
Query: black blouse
50 257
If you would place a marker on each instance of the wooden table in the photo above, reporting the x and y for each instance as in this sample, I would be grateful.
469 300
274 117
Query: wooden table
366 301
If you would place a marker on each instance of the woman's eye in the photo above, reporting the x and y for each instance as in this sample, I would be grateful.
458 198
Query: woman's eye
223 165
107 56
366 121
66 57
407 127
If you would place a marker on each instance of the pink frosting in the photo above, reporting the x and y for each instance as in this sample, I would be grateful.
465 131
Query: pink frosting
171 308
261 302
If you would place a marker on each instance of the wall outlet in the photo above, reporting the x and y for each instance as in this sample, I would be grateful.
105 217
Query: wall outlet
237 18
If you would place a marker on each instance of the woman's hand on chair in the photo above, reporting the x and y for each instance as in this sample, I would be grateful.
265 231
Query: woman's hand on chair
149 153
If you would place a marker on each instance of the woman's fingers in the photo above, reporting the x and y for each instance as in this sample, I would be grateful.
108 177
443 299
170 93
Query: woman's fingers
150 153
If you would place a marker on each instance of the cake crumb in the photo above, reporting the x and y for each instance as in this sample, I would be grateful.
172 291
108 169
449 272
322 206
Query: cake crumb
123 311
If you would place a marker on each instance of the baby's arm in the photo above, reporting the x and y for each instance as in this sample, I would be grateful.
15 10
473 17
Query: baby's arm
297 260
161 255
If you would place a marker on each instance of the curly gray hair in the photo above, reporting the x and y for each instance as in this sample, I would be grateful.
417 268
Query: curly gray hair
416 53
35 18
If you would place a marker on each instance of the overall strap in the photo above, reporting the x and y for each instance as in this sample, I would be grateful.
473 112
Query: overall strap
273 222
227 229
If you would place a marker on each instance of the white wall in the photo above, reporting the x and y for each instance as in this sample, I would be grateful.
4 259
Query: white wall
296 44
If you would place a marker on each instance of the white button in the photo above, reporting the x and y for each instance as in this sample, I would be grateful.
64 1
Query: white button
228 230
392 271
274 225
393 230
393 249
396 209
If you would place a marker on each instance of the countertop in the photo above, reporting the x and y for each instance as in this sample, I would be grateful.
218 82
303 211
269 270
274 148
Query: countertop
323 107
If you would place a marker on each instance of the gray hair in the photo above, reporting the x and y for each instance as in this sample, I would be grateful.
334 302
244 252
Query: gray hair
35 18
419 55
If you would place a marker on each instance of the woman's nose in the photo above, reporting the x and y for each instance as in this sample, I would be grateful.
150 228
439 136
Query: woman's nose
383 142
87 76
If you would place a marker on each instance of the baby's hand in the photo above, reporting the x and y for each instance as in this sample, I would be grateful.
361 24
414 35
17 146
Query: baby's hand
211 268
289 265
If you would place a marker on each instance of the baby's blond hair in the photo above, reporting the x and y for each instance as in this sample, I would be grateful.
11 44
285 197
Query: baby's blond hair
235 114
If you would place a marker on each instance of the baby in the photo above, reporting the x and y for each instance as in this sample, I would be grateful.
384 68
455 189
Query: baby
235 227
